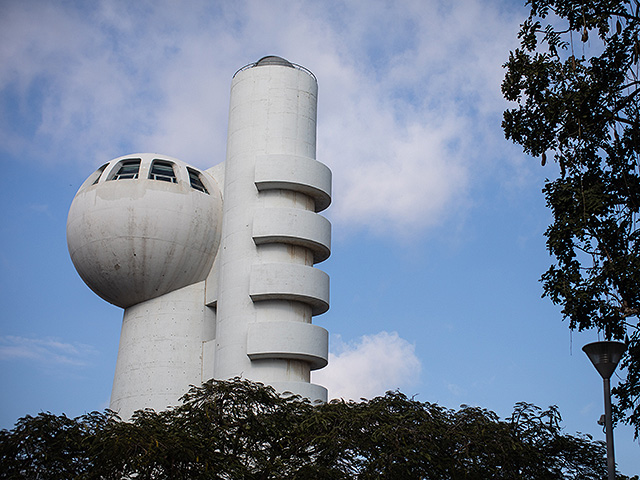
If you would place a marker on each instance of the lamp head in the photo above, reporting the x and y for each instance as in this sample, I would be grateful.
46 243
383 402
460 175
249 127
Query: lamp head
605 356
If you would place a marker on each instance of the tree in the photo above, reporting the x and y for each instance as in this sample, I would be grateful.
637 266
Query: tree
575 81
242 430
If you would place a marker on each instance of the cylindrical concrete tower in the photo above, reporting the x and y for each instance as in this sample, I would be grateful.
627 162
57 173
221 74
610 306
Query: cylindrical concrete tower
268 289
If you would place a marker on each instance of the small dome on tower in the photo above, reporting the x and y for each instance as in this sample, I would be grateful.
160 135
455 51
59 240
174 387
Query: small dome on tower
273 60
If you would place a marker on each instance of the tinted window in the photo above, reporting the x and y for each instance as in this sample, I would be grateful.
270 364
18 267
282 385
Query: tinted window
98 173
161 170
127 169
196 181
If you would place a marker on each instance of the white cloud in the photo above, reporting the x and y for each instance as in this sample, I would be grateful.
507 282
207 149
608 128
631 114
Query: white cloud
370 367
45 351
409 93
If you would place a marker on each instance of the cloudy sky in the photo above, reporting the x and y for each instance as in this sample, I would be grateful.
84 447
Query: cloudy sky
437 220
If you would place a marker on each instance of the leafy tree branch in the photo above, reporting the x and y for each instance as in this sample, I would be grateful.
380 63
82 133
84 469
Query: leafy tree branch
583 111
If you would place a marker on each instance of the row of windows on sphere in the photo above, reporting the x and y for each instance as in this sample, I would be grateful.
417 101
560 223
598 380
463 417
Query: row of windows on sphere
160 170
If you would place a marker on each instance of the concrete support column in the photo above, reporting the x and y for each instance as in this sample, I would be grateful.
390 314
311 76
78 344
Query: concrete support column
160 351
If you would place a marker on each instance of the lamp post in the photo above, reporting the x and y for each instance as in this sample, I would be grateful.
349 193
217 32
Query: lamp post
605 357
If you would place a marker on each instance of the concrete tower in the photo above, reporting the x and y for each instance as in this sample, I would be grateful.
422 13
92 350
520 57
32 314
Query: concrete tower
215 268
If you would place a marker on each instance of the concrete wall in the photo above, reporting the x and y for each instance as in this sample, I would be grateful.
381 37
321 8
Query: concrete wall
161 350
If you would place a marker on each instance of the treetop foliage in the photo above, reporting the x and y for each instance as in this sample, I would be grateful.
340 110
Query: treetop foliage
243 430
575 81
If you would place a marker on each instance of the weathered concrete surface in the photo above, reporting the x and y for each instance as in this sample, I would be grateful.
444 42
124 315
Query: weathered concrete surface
271 233
136 239
217 284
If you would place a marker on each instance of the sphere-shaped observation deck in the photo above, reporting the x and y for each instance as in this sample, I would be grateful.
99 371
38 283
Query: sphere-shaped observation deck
144 225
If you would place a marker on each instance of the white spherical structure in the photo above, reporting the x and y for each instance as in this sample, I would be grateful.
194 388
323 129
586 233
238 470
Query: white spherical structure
144 225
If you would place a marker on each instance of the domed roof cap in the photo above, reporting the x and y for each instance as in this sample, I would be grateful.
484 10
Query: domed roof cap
273 60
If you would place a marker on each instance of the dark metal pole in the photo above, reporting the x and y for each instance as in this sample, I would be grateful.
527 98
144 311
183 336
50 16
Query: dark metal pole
605 357
608 425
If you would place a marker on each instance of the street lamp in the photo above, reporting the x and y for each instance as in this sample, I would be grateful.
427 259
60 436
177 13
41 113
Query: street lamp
605 357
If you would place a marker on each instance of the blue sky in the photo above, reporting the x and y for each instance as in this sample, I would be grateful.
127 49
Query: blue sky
437 220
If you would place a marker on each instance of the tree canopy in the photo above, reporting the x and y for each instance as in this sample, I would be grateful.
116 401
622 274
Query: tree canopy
243 430
575 80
